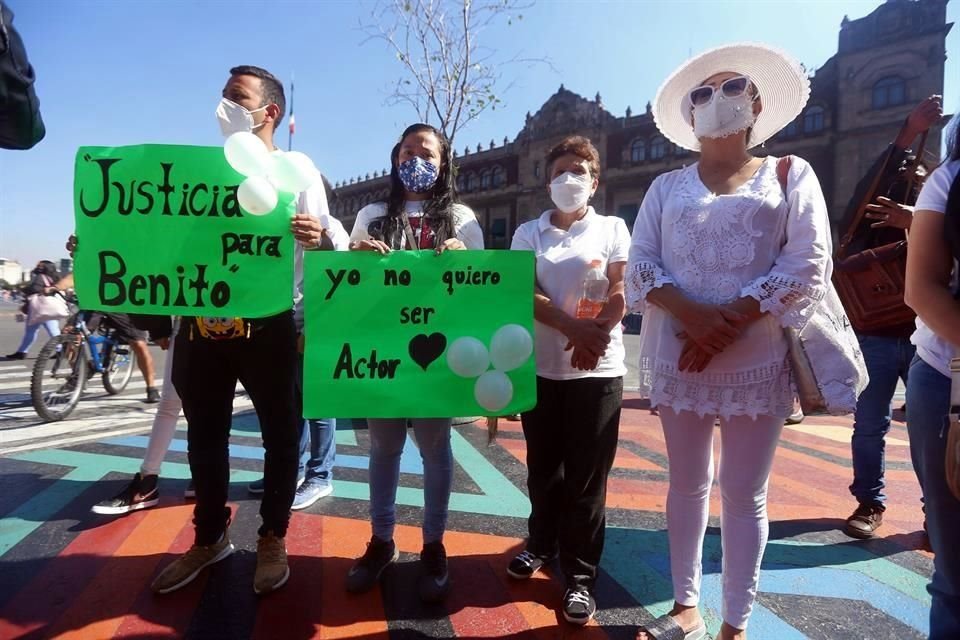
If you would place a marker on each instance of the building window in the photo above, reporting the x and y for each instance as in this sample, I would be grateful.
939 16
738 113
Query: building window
658 148
497 177
638 151
498 234
680 151
471 182
813 120
461 183
889 92
536 169
485 180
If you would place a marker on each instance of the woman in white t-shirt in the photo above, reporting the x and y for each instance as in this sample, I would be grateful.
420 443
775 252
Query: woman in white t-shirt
726 253
572 433
421 212
932 292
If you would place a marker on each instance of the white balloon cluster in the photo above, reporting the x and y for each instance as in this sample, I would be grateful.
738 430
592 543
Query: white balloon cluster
510 347
266 173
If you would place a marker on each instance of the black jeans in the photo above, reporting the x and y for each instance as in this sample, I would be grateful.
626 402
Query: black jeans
572 438
205 374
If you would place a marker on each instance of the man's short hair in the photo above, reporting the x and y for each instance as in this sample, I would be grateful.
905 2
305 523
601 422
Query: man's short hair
272 89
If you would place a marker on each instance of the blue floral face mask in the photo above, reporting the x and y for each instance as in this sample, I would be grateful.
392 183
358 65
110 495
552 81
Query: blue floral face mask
418 175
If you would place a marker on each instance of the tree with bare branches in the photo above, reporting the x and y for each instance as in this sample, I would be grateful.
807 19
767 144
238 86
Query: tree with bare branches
449 77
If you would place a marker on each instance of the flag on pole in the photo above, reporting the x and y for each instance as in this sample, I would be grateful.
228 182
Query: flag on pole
293 124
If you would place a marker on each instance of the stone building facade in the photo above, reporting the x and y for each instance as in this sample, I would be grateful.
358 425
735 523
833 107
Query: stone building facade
886 62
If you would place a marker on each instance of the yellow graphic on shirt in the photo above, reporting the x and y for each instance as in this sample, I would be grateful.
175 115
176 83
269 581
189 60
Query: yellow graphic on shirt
221 328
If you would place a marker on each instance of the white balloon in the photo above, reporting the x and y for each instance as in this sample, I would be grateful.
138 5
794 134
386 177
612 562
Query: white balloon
467 357
293 172
257 196
510 347
493 390
247 154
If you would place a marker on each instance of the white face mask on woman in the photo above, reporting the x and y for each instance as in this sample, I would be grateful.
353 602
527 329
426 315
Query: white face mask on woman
570 192
723 116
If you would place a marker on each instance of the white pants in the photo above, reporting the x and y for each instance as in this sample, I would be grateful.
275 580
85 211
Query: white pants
165 422
746 455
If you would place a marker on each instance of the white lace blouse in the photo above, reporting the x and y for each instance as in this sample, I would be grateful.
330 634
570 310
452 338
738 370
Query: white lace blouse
755 242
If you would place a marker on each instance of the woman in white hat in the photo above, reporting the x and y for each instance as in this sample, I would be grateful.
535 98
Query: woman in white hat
726 253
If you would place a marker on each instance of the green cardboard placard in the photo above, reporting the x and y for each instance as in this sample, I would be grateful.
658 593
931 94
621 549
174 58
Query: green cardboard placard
416 335
160 232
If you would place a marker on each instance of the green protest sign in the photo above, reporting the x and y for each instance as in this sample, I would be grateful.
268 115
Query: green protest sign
160 232
416 335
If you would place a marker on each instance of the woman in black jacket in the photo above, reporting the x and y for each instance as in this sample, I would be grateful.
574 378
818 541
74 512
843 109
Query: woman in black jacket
42 283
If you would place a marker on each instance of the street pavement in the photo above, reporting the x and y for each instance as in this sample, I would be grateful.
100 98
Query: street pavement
68 573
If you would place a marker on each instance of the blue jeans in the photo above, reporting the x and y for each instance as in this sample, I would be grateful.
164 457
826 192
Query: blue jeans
318 436
928 403
30 335
888 361
387 436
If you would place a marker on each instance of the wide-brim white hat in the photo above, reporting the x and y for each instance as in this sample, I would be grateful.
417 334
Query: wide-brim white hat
781 80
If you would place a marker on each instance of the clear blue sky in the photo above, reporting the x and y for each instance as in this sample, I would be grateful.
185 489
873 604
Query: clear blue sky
112 72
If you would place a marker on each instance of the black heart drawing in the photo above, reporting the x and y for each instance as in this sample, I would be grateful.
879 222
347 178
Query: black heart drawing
425 349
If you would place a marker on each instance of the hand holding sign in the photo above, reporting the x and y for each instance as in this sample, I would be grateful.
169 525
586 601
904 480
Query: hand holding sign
266 173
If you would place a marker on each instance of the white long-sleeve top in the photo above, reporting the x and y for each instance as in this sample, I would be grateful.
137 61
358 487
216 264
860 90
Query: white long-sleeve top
760 242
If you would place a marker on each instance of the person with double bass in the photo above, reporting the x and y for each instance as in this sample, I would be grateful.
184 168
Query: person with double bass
869 276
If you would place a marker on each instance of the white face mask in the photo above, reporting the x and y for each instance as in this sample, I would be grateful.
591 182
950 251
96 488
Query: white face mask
723 116
234 117
570 192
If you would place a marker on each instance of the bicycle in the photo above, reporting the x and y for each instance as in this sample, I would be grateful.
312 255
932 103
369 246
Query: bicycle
67 361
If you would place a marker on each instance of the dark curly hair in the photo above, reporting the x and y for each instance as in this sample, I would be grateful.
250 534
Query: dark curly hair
438 210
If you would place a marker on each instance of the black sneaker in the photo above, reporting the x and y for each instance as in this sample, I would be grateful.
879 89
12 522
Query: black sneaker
256 487
141 493
578 605
153 395
525 564
366 571
434 581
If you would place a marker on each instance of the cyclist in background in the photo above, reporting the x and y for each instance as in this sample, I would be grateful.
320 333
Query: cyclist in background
127 333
